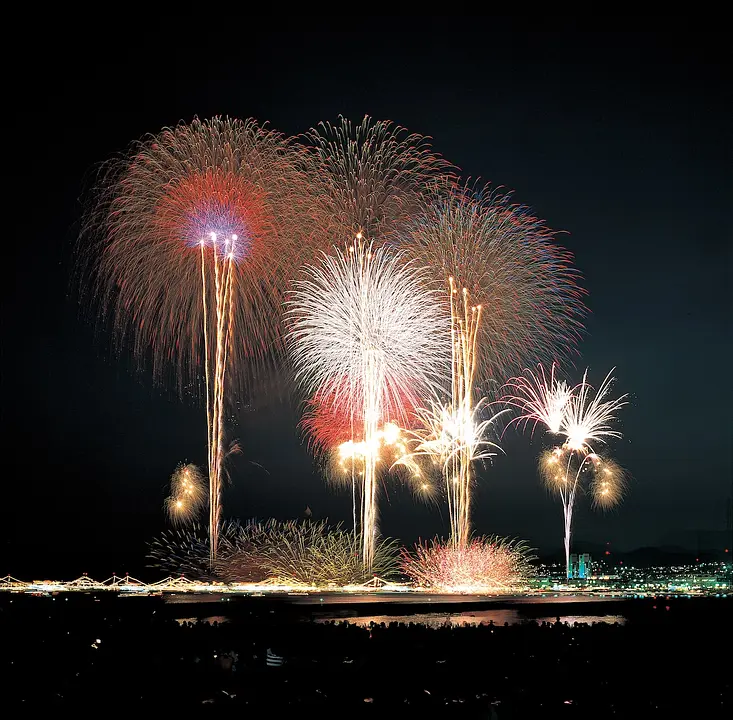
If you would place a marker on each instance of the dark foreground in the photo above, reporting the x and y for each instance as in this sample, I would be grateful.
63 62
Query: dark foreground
671 659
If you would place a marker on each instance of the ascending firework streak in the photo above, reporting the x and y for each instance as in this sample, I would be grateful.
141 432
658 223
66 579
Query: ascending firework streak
222 260
465 323
566 472
582 419
366 334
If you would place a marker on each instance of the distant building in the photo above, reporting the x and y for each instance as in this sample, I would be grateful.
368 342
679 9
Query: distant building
584 565
580 566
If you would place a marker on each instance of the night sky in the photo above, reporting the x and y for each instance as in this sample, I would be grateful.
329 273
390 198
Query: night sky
623 142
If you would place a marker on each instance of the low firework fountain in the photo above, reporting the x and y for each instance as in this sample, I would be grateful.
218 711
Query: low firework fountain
290 554
482 565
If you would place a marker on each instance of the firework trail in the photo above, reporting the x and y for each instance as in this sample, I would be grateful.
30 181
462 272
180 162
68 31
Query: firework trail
192 234
188 494
586 417
370 177
366 333
485 564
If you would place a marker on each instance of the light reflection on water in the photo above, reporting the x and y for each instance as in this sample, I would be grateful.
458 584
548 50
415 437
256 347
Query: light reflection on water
499 617
220 619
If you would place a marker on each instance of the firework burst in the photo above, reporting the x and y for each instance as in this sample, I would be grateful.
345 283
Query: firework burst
484 565
589 416
191 237
367 333
508 263
370 177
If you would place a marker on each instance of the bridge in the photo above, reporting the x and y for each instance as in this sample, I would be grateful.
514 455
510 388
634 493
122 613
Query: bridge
126 584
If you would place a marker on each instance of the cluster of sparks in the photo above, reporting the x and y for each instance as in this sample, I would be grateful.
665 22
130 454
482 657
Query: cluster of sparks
188 494
219 246
581 416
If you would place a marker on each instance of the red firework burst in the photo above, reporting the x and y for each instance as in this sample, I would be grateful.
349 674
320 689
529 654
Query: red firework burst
151 212
328 424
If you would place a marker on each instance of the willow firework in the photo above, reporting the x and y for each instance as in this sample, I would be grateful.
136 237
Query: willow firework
586 417
370 177
366 333
311 554
191 236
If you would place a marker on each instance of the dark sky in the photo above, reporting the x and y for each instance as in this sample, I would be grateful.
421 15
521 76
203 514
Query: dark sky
622 141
